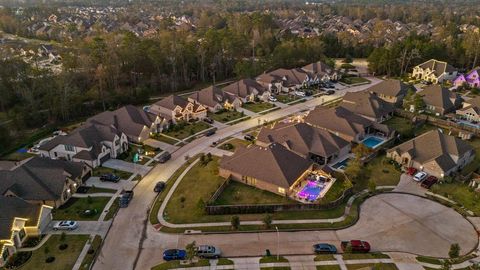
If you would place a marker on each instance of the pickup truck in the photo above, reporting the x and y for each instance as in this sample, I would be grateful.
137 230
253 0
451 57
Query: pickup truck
125 199
355 246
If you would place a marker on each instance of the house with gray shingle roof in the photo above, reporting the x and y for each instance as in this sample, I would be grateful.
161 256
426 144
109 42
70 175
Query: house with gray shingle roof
175 108
247 90
433 152
19 220
368 105
391 90
285 80
214 99
434 71
321 72
440 100
470 110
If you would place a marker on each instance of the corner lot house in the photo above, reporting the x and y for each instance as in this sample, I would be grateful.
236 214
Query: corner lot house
434 71
131 121
18 221
367 105
44 181
440 100
273 168
174 108
321 72
470 110
391 91
91 143
214 99
346 124
247 90
285 80
305 140
471 79
433 152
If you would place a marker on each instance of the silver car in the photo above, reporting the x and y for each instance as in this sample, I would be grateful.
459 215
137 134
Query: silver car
205 251
65 225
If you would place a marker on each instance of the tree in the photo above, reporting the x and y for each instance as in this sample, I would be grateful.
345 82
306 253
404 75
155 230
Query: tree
191 251
361 150
267 221
454 250
235 222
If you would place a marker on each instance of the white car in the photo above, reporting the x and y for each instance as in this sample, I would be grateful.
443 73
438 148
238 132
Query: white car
420 176
272 98
300 93
65 225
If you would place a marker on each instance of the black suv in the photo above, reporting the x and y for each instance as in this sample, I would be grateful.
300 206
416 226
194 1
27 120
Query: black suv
159 187
109 177
165 157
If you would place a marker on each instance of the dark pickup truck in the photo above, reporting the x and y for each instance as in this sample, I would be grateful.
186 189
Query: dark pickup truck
165 157
355 246
125 199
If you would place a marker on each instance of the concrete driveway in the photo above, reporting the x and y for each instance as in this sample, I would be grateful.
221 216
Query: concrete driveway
121 165
407 185
84 227
122 184
159 144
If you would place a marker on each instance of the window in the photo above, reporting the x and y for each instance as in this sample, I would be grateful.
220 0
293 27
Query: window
22 233
69 148
281 190
5 254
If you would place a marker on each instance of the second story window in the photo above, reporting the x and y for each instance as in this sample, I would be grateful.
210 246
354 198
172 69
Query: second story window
69 148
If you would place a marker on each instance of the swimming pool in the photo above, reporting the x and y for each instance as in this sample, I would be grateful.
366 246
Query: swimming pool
310 191
372 142
341 165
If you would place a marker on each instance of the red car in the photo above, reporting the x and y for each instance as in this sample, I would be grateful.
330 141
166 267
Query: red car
411 171
429 182
356 246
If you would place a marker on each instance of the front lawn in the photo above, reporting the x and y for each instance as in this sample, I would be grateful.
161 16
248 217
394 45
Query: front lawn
324 257
382 172
273 259
366 256
74 208
92 190
176 264
328 267
238 193
113 209
225 116
141 150
183 130
99 171
286 98
165 139
354 80
233 144
64 259
258 106
382 266
461 194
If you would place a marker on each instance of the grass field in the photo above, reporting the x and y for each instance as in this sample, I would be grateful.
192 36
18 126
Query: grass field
74 207
382 266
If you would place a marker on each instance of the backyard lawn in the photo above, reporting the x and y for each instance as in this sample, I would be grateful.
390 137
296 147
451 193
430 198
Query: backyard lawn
460 193
104 170
226 116
405 127
475 164
258 106
184 130
64 259
73 209
233 144
238 193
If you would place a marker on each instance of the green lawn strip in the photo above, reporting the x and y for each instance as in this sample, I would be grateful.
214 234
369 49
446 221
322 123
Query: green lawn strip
275 268
233 144
17 156
237 193
429 260
184 130
286 98
93 190
74 207
64 259
90 256
354 80
328 267
460 193
176 264
433 260
297 101
258 106
269 111
360 256
245 118
224 261
324 257
382 266
113 209
226 116
99 171
160 137
158 201
273 259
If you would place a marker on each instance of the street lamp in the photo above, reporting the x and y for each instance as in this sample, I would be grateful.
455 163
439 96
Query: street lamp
278 244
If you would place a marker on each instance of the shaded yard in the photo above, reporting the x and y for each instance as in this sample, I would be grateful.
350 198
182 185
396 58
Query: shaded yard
382 172
226 116
406 128
74 208
184 130
238 193
258 106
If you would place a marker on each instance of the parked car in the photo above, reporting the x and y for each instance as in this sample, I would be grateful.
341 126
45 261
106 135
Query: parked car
109 177
68 225
328 85
205 251
429 182
159 187
309 93
174 254
411 171
330 92
420 176
299 93
165 157
210 132
324 248
272 98
249 137
208 120
214 143
355 246
125 199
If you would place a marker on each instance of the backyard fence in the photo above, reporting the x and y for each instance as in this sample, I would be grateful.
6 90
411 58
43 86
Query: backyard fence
212 209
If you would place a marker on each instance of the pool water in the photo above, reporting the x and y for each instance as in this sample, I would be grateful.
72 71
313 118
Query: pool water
342 164
372 142
310 191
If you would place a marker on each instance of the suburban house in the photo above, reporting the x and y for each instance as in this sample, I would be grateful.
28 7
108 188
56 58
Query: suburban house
472 79
175 109
214 99
19 220
440 100
135 123
434 71
305 140
285 80
44 181
321 72
470 110
247 90
433 152
368 105
90 143
391 90
273 168
346 124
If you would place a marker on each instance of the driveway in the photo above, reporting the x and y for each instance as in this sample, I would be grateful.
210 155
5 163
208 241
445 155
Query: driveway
121 165
407 185
122 184
84 227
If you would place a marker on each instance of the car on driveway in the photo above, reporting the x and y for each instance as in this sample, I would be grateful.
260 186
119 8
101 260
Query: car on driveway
429 182
249 137
174 254
208 120
324 248
109 177
206 251
356 246
299 93
418 177
272 99
67 225
411 171
159 187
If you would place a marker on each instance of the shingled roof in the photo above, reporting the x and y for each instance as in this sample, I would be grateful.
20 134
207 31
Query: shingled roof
290 77
318 68
390 87
438 96
172 101
212 96
274 164
13 207
439 67
367 104
244 88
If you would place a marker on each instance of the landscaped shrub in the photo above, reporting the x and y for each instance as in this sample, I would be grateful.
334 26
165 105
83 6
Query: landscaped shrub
18 259
50 259
63 246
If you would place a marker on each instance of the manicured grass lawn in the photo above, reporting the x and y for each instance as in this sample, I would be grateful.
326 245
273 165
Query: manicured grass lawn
460 193
160 137
286 98
336 190
258 107
226 116
64 259
100 190
73 208
354 80
176 264
324 257
328 267
113 209
382 172
233 144
133 149
405 127
273 259
383 266
275 268
475 164
224 261
17 156
104 170
238 193
186 129
360 256
94 248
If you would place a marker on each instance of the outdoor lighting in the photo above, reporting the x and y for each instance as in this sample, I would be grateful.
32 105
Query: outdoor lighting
421 168
75 184
68 190
278 243
442 175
